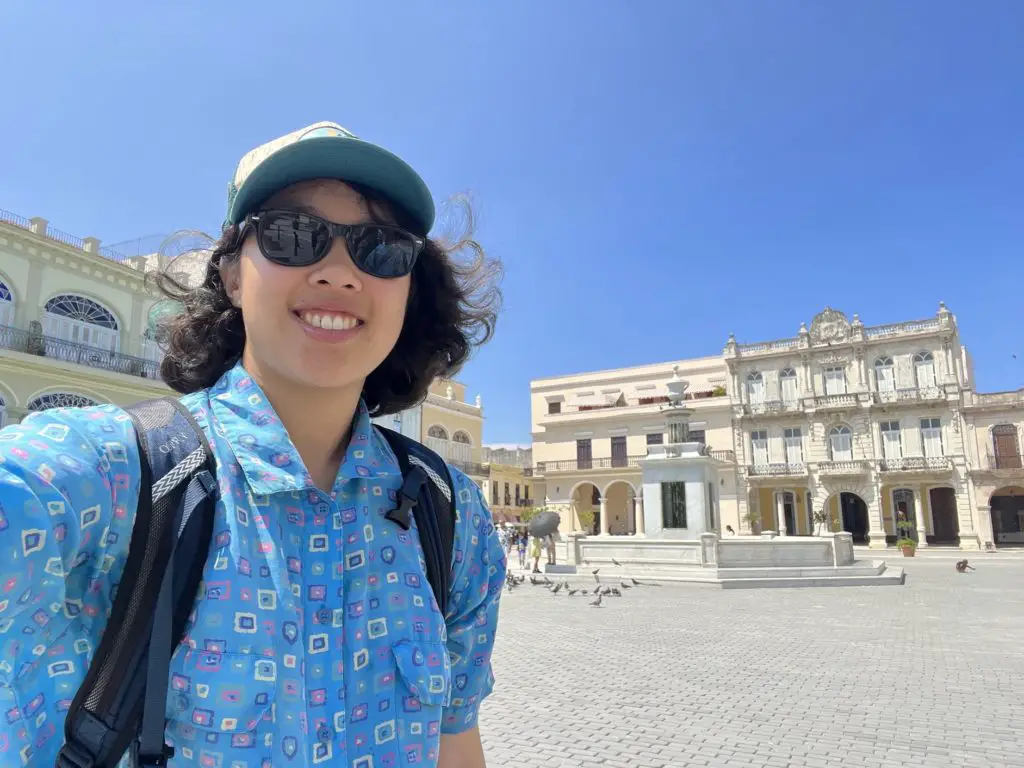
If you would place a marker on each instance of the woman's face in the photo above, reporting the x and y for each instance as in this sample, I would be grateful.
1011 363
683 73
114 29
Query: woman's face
283 307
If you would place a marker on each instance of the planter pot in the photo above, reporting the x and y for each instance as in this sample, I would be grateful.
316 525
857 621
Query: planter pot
908 551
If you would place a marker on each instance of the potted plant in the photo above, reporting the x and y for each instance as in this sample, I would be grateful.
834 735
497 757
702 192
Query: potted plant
904 529
753 518
822 519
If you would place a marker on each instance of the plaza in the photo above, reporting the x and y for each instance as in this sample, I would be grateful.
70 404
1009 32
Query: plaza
930 674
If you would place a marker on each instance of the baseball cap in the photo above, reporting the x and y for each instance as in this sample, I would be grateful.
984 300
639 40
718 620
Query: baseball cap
325 150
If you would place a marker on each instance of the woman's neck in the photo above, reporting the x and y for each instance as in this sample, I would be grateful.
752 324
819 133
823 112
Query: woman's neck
318 421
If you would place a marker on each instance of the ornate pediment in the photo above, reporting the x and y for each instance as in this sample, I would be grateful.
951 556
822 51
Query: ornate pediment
829 326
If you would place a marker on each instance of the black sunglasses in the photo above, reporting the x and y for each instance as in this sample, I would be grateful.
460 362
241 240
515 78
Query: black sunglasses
294 239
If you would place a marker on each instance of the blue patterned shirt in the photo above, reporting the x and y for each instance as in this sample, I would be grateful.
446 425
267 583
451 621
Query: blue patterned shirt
315 638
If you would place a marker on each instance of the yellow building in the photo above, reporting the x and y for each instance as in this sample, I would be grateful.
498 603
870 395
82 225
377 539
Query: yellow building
859 424
74 322
508 490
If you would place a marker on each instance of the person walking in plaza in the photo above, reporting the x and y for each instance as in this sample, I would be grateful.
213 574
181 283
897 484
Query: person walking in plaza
521 546
535 553
317 638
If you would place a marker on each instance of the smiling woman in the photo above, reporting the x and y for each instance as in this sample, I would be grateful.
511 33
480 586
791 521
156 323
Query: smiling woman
324 301
451 303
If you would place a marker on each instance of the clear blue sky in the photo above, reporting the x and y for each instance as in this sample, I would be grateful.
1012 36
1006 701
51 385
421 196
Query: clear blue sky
654 174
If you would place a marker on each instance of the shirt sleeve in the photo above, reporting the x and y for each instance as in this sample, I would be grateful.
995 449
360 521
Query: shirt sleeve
478 575
69 483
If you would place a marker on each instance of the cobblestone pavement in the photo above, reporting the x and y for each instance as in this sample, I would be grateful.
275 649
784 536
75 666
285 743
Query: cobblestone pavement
926 675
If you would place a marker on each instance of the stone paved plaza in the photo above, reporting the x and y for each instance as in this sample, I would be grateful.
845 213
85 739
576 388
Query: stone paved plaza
929 674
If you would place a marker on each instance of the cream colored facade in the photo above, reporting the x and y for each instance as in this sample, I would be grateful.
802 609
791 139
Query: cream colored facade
591 431
447 424
73 322
864 423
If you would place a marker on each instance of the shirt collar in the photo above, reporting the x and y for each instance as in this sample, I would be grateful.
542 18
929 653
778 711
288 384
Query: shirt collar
243 415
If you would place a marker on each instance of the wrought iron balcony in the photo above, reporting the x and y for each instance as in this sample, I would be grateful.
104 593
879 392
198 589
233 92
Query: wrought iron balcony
586 465
915 464
35 343
782 469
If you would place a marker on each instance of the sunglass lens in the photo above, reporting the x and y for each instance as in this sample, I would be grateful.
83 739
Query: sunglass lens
293 239
383 252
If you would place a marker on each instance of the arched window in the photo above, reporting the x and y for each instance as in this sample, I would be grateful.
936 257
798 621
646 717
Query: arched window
461 447
437 431
755 388
885 375
6 304
787 379
840 444
60 400
924 370
83 321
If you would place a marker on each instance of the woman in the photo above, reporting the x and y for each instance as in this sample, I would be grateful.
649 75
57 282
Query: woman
521 545
316 638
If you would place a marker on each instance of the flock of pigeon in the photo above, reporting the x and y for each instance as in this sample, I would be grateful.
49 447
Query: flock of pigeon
599 592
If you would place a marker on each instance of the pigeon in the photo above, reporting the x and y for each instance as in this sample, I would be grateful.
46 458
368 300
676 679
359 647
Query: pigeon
616 562
624 585
534 581
573 592
557 589
963 567
616 592
596 577
635 582
597 602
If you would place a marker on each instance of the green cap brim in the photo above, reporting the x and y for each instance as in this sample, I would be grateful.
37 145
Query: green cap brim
336 157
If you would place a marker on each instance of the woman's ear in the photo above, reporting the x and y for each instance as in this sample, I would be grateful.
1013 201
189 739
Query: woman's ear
230 276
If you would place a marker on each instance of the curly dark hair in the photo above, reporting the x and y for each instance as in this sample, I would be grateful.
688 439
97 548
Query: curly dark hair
452 308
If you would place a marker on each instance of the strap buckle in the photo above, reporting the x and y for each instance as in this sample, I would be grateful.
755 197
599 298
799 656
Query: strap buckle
73 756
155 761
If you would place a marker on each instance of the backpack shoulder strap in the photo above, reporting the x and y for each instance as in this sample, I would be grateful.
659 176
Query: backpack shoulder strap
428 491
123 697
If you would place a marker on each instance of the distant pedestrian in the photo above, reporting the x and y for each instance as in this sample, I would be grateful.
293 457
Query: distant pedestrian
535 551
550 541
521 545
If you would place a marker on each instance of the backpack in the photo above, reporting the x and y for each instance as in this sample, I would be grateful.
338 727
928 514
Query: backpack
121 704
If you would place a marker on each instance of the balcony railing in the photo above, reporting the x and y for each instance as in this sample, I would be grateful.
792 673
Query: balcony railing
777 470
472 468
727 456
58 236
908 395
1005 462
585 465
72 352
915 464
835 401
850 467
635 402
768 407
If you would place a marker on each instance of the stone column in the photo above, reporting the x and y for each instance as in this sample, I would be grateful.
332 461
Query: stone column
605 523
780 513
922 533
639 511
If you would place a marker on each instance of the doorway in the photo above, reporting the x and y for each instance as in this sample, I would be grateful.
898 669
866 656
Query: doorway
853 511
945 526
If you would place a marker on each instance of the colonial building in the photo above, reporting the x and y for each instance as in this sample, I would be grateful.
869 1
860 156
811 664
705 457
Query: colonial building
591 431
841 427
75 322
447 424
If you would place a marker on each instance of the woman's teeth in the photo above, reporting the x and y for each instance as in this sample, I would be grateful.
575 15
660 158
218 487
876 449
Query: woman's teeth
330 322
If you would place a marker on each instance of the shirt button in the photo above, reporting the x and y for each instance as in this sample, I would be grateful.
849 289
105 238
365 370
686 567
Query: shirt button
323 733
324 615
